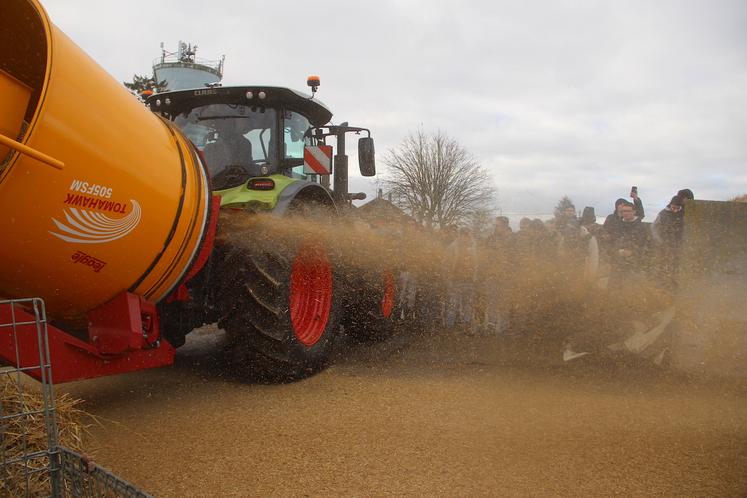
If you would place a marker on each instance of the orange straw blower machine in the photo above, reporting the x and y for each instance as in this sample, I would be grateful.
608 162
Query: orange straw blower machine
106 208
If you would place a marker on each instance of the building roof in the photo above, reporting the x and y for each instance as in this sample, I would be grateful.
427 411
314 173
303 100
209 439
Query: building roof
381 209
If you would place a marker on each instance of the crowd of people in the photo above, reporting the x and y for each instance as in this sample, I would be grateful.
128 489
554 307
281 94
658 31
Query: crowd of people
472 290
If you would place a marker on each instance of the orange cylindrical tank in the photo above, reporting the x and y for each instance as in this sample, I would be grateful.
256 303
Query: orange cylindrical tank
129 208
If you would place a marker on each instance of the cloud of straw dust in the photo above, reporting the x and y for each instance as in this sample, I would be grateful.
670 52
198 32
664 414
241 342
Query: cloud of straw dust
546 293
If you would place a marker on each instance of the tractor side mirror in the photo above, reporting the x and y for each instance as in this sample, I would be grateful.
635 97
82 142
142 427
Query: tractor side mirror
366 159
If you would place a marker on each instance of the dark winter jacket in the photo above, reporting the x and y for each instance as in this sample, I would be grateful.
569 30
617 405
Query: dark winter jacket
638 204
667 228
611 226
635 237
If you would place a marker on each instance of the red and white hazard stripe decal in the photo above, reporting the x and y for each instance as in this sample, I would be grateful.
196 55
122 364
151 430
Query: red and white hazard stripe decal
317 160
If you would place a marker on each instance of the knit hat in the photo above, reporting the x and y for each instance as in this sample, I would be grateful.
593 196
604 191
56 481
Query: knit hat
588 216
686 193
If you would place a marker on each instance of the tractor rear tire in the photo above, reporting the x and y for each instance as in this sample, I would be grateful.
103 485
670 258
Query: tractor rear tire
372 307
279 307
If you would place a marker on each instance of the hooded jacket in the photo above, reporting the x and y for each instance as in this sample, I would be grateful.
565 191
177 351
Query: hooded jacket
611 226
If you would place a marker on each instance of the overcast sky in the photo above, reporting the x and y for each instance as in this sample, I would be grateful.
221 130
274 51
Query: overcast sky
583 98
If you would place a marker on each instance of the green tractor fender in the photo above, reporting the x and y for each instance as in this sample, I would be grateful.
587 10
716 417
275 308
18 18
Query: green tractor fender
305 192
276 194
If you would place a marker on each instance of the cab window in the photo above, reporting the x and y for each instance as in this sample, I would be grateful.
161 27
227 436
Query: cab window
295 138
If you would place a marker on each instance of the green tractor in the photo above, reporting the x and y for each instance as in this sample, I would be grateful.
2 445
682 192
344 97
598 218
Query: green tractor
281 300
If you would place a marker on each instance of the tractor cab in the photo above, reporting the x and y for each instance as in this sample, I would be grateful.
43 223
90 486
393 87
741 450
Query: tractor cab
246 131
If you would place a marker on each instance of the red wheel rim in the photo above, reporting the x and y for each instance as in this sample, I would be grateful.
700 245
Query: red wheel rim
310 293
387 300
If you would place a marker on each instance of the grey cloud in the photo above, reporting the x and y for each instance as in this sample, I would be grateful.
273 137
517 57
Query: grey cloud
583 98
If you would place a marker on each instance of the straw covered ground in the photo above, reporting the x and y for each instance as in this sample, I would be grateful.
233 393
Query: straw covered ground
437 414
23 434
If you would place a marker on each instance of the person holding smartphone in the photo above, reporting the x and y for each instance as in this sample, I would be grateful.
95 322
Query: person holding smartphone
629 249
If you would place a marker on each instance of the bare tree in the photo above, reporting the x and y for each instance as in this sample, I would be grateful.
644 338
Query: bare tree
437 181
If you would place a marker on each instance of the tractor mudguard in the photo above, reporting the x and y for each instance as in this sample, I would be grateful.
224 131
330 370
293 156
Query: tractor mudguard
307 190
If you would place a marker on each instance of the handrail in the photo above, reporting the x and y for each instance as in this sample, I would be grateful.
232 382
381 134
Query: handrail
25 149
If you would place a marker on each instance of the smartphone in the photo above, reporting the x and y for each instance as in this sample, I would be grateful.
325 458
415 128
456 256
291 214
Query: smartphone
633 190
